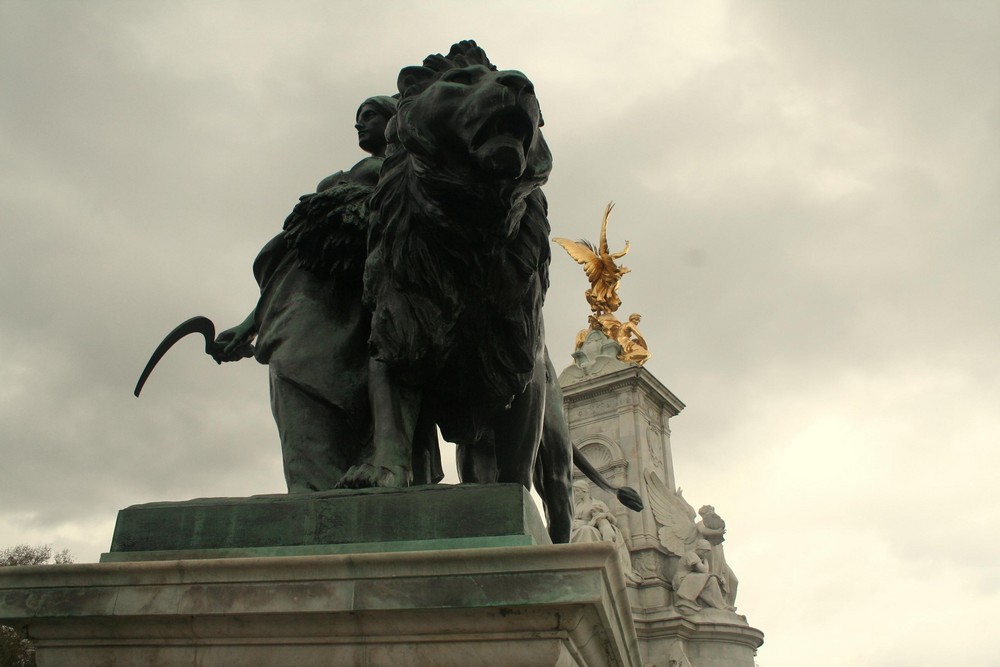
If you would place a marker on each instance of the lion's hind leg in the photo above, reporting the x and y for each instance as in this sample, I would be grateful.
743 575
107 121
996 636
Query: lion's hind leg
554 468
477 463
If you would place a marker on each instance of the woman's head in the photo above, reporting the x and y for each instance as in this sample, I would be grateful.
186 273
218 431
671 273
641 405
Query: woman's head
370 121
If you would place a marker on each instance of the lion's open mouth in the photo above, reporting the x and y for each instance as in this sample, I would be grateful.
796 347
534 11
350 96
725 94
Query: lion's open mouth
502 142
512 123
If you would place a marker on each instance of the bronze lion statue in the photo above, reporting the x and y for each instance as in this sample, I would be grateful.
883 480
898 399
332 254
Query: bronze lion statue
455 278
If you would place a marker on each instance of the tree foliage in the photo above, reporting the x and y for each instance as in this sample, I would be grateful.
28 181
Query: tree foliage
24 554
15 649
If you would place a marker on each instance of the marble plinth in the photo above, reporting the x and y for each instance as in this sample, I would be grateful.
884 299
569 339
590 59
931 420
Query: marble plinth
709 638
535 605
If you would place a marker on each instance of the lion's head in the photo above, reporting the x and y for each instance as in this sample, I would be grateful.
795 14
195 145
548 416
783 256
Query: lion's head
459 114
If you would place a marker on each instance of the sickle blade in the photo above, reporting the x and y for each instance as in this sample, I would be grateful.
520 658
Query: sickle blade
198 324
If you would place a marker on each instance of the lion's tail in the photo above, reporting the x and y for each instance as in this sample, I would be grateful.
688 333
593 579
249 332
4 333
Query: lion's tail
626 495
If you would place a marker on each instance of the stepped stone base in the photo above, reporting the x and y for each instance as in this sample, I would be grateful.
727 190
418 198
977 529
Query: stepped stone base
709 638
706 638
341 578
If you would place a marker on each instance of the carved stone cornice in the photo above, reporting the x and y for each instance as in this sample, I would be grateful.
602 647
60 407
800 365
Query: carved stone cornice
634 378
698 627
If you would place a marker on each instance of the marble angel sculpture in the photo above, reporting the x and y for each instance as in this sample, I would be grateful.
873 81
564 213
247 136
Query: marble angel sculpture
694 583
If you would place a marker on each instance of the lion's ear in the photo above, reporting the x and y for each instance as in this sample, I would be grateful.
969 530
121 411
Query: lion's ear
414 79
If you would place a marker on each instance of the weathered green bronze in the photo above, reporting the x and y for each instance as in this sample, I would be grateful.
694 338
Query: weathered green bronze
406 295
343 521
197 324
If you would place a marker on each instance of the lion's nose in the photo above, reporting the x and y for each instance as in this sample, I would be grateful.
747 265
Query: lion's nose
516 82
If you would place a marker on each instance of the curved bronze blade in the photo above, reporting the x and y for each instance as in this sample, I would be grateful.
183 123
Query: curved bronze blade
197 324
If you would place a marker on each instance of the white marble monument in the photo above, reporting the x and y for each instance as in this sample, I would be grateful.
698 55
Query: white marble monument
681 590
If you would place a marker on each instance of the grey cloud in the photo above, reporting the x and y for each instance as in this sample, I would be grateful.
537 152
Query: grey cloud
810 190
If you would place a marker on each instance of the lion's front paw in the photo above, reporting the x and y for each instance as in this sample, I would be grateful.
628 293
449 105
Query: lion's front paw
366 475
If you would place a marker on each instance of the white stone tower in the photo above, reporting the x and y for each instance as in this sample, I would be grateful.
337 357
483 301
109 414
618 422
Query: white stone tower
619 417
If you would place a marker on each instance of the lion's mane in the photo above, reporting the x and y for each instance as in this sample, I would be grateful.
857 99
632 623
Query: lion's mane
457 272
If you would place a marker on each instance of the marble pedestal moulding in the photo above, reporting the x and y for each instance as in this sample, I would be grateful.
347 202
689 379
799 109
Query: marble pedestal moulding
410 599
541 605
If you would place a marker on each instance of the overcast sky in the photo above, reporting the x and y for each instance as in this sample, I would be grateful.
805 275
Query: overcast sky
812 193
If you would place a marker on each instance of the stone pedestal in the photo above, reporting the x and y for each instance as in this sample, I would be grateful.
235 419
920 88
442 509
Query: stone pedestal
544 605
620 420
419 518
709 638
352 602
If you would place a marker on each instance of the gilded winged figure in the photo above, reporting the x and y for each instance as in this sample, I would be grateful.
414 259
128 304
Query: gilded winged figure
599 264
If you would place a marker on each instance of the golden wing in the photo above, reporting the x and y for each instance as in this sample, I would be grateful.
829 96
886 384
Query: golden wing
604 230
583 253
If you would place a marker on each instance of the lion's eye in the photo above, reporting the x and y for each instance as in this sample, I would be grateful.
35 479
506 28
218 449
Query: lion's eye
460 76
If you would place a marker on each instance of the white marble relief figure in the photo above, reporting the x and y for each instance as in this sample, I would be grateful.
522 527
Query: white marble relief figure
712 528
696 584
594 522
